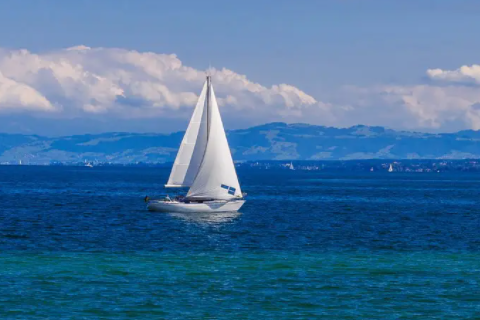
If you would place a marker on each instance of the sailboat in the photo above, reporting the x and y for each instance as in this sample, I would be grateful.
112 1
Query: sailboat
390 169
204 164
291 166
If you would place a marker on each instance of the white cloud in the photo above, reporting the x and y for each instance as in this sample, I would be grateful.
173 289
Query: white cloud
451 104
414 107
15 95
464 74
81 80
90 82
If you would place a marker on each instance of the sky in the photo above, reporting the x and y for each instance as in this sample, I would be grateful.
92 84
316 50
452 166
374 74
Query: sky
72 67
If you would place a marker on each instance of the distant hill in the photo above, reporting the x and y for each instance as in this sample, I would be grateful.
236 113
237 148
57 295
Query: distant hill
273 141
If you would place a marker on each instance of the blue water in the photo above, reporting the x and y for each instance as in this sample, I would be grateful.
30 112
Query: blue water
77 243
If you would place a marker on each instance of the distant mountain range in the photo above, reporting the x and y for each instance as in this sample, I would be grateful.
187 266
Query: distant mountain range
273 141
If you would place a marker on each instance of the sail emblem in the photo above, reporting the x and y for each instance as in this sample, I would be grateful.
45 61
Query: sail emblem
231 190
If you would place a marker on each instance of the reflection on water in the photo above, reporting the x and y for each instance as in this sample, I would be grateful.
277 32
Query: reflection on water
206 217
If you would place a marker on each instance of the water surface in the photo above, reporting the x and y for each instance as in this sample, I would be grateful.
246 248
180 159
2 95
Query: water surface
77 243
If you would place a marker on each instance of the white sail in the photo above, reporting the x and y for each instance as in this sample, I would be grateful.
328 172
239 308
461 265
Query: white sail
217 178
192 148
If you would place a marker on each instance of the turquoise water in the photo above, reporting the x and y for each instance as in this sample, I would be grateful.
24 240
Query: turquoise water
77 243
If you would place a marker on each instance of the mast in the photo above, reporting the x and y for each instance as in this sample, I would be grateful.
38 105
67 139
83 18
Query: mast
207 101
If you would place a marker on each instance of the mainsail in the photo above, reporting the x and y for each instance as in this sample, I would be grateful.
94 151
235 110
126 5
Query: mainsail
210 171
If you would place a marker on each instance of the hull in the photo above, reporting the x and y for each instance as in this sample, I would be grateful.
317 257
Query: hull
207 206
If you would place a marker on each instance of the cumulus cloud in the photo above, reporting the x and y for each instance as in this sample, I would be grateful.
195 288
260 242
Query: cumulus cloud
415 107
454 99
464 74
450 102
83 81
15 95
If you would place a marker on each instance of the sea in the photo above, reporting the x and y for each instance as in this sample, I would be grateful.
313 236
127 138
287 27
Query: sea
78 243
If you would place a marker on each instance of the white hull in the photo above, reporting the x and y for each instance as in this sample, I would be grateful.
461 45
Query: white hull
192 207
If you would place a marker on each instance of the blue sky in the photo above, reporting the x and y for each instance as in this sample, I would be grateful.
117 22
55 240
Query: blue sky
337 52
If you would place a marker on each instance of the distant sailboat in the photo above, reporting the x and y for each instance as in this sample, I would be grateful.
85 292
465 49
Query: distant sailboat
88 164
291 166
390 169
204 164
